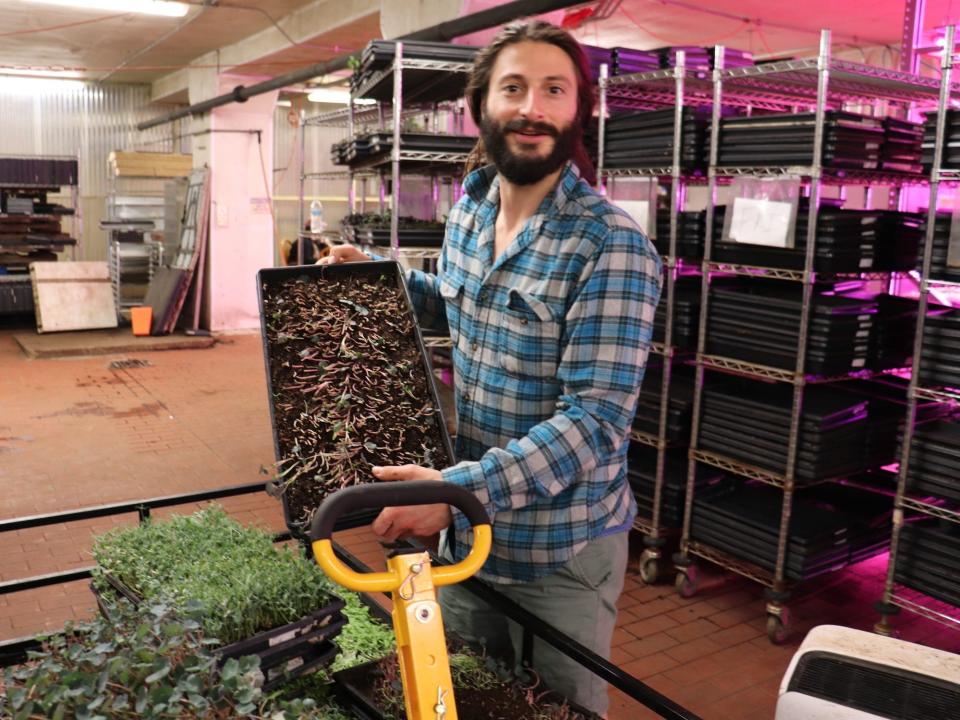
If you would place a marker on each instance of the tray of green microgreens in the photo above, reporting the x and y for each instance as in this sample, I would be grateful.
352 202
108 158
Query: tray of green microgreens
254 597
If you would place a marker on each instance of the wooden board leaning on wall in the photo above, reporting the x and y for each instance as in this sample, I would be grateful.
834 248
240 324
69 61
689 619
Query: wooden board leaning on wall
149 164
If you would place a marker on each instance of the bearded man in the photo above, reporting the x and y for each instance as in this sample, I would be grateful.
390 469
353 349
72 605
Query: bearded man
548 292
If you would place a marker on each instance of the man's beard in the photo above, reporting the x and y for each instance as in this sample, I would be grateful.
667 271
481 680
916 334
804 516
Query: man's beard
521 169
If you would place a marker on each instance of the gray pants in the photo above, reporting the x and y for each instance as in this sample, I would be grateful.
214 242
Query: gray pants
580 600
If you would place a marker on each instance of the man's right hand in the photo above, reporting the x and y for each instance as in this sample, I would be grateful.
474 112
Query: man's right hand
343 253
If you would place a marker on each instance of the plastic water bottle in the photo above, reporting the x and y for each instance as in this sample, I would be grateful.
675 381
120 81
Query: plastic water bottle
317 225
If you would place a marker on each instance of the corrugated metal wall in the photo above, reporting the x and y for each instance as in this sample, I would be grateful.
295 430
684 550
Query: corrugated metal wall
52 117
286 172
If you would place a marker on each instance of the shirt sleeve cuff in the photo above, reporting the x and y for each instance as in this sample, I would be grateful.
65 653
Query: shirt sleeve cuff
469 475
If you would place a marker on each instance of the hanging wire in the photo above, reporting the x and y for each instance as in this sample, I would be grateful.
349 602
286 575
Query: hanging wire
62 26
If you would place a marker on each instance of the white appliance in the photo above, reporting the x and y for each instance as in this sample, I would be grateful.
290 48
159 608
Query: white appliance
843 674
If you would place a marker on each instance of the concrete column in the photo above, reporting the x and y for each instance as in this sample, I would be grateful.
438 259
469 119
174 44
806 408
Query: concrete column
241 225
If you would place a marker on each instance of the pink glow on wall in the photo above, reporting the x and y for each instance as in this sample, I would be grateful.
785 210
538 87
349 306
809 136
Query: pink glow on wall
241 224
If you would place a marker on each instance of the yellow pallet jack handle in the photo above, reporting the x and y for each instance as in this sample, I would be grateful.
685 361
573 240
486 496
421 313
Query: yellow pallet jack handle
421 643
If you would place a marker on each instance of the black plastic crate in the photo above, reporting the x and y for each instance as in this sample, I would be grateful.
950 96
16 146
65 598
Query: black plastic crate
272 281
350 690
286 651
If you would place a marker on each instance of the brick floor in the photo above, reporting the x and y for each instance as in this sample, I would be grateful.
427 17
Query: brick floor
74 433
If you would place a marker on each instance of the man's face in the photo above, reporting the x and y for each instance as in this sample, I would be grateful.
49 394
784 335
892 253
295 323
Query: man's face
528 125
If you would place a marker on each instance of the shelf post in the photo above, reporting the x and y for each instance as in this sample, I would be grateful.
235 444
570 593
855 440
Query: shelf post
395 153
682 559
885 605
602 127
301 254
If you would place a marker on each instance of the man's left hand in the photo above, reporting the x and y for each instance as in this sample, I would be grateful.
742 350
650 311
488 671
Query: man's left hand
410 520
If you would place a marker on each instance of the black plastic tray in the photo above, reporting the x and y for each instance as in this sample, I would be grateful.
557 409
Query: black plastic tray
285 652
361 706
406 237
275 277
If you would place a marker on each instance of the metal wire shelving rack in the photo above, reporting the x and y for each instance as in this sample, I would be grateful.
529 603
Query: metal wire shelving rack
15 287
399 160
899 595
822 83
659 89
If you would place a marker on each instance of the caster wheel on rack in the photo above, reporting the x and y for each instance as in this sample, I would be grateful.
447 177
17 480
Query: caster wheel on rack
649 567
778 627
886 629
688 581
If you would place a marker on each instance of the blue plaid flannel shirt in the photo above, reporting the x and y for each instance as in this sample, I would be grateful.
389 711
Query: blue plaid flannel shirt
550 345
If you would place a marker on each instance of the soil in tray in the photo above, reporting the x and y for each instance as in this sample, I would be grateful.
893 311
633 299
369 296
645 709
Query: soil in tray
505 701
349 385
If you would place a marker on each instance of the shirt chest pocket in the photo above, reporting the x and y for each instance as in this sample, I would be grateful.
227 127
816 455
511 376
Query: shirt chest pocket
529 337
451 292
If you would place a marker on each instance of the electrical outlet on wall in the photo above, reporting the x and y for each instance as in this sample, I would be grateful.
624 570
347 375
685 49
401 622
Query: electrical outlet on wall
223 215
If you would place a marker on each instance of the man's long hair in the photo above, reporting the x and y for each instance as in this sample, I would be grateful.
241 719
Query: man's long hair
479 84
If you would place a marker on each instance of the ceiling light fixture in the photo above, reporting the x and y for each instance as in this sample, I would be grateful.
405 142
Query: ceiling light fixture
339 97
39 86
42 73
146 7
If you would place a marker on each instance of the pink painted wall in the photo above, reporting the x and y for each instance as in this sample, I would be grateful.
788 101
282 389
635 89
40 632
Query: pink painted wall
241 226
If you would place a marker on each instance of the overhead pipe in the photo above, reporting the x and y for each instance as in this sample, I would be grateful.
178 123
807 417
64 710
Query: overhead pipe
442 32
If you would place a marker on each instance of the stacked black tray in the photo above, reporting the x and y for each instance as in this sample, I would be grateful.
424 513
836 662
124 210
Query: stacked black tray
899 240
679 406
951 140
704 57
935 461
686 314
373 149
691 227
38 171
902 148
627 61
374 229
597 56
642 473
829 528
928 559
339 152
32 230
869 516
940 354
891 342
286 651
750 421
847 241
939 266
886 415
759 321
850 141
406 237
418 85
695 56
646 139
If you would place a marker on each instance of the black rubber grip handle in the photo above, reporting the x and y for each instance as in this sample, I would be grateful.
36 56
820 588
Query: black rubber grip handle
392 494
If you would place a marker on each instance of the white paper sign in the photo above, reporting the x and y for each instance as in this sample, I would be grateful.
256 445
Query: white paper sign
639 210
760 222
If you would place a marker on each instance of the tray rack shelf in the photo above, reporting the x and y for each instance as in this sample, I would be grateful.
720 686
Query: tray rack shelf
398 160
899 595
16 292
660 89
820 84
